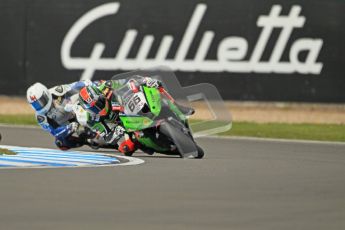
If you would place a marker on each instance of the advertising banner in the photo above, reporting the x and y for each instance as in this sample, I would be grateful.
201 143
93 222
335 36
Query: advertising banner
250 50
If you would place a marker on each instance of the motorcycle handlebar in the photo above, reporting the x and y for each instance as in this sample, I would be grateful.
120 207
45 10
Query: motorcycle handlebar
164 92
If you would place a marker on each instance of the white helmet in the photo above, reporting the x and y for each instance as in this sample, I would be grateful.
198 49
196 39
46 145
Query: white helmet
39 97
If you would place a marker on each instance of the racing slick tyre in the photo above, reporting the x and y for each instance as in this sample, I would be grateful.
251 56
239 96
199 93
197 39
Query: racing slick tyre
128 154
184 143
200 152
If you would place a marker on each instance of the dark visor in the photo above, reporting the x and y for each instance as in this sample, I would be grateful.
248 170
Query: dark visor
40 103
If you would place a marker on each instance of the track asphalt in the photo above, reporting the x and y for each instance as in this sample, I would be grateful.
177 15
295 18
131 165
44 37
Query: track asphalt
240 184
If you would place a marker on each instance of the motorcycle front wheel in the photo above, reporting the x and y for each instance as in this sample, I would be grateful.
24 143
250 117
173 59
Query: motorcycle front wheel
178 136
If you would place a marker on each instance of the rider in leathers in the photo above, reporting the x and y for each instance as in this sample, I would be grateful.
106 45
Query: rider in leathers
104 108
101 103
54 111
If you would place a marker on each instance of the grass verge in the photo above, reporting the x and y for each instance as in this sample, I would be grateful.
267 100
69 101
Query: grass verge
18 119
321 132
6 152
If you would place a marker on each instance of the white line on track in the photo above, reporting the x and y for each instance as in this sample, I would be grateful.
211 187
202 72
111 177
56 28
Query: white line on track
63 160
42 159
15 164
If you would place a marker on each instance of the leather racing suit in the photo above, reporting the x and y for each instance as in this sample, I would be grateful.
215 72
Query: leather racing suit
109 127
60 121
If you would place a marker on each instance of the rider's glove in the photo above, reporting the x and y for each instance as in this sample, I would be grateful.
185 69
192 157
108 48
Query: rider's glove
115 135
73 127
152 83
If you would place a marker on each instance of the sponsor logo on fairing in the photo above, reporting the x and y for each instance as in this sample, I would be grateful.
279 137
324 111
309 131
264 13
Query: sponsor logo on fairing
230 51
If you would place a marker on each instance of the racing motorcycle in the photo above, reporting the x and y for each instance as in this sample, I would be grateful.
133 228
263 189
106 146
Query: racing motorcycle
156 122
151 118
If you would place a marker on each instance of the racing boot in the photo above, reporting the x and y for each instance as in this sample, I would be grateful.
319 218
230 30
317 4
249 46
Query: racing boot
127 147
92 144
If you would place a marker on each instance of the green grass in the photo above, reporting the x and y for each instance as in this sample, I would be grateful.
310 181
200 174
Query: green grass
18 119
321 132
6 152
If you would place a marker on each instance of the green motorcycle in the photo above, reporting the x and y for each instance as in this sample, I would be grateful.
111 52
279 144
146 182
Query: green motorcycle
155 121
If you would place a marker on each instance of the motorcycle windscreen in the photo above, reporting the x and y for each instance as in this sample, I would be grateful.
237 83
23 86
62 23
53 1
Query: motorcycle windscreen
184 143
211 114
